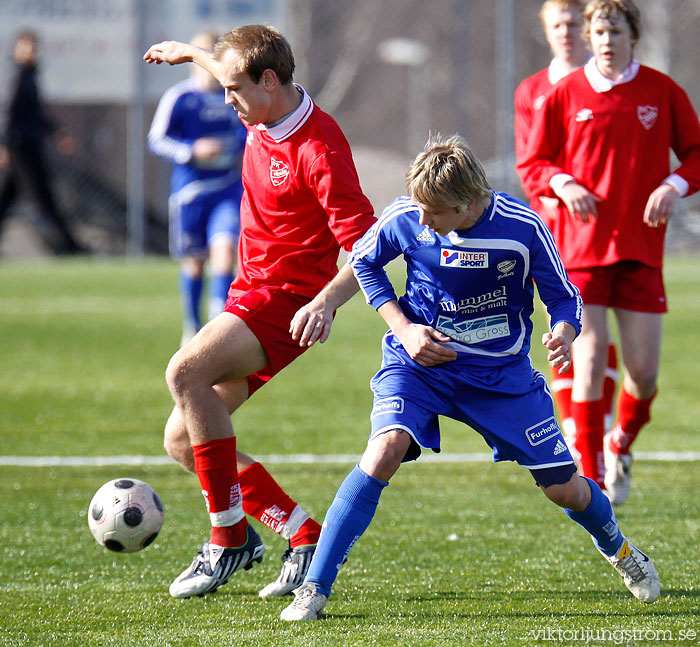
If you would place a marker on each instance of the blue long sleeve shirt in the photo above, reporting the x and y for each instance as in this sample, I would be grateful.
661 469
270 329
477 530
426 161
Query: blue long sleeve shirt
474 285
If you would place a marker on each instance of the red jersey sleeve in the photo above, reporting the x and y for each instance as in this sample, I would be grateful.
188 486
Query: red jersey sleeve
527 101
522 120
542 158
333 179
685 138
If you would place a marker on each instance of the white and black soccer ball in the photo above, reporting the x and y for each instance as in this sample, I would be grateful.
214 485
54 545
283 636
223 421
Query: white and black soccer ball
125 515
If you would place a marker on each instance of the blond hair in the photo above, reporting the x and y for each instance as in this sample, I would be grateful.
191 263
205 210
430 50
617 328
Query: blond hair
447 174
578 5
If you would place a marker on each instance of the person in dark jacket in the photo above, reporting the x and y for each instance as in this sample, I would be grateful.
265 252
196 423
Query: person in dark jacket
22 155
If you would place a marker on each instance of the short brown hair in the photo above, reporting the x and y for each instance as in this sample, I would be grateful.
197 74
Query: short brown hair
261 48
27 34
612 10
562 4
447 174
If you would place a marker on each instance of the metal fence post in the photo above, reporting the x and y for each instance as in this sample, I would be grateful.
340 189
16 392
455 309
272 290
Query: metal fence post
505 74
135 241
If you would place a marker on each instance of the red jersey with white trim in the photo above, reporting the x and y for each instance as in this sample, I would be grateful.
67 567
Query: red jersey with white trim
616 144
302 202
528 100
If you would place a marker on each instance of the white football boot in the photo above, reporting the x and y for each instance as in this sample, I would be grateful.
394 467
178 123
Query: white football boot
618 479
213 565
308 604
295 566
637 571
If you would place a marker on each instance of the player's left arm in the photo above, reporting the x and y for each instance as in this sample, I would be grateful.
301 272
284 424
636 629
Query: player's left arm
561 298
334 181
685 142
333 178
313 322
558 342
660 204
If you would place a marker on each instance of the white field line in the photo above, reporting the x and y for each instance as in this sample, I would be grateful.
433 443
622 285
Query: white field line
476 457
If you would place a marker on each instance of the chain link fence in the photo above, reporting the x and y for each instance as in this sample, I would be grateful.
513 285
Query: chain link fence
390 72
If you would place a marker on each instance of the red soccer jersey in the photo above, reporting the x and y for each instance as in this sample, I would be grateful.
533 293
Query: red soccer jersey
616 144
302 201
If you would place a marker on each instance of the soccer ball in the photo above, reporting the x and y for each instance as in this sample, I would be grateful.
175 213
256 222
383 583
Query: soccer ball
125 515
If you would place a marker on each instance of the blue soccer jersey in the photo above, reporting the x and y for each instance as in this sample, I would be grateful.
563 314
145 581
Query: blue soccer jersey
477 287
186 114
205 194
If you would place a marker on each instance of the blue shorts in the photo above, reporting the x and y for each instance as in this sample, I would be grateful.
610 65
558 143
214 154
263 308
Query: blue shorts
510 406
195 225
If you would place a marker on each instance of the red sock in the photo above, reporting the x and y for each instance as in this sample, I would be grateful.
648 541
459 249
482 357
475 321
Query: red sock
610 382
215 466
266 501
590 431
632 415
561 390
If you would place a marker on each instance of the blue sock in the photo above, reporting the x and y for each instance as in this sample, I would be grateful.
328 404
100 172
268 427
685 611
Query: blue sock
191 295
599 520
346 520
218 293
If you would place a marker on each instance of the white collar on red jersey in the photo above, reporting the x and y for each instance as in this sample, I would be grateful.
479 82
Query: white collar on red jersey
601 83
294 121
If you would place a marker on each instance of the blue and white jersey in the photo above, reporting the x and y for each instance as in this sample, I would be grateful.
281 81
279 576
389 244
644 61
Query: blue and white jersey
474 285
185 114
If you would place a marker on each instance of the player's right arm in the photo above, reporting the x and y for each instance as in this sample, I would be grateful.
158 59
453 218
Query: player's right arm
539 170
386 240
176 53
422 343
579 201
164 137
522 122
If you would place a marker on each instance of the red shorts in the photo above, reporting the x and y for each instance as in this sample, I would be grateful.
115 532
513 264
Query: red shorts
267 311
628 284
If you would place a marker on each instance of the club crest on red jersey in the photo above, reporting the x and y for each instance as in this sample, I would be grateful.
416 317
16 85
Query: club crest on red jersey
279 172
647 116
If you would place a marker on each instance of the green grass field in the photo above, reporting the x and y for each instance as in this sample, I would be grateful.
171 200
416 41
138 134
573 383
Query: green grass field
458 554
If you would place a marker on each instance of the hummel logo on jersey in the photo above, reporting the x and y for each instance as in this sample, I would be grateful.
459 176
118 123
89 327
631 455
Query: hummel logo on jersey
559 448
464 260
425 236
279 172
647 116
584 114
